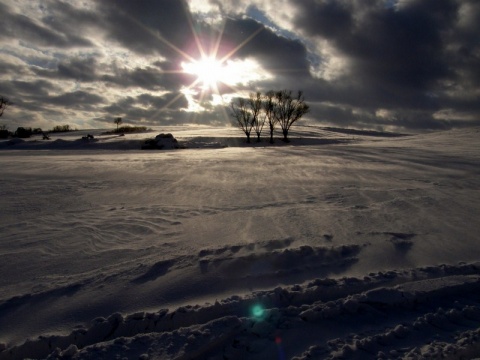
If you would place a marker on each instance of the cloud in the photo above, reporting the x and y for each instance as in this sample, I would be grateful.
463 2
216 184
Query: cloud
15 25
404 58
152 27
147 78
278 54
77 100
406 65
146 106
78 69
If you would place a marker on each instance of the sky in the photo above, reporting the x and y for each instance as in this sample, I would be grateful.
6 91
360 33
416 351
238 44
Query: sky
400 65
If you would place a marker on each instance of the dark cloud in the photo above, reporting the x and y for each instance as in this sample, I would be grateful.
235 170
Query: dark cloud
149 78
156 77
405 57
30 96
77 100
78 69
330 19
278 54
151 27
33 88
388 47
19 26
407 120
146 107
175 101
11 68
143 116
67 19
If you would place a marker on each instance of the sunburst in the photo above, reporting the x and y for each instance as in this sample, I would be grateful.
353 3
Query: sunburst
211 69
208 70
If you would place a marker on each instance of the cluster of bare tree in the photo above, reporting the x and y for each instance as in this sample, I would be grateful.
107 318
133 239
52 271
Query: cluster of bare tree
272 108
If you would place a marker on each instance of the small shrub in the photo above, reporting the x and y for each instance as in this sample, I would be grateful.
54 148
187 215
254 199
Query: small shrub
4 134
23 132
132 129
129 130
61 128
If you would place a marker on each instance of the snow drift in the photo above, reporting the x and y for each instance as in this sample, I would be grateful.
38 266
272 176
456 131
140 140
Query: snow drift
337 245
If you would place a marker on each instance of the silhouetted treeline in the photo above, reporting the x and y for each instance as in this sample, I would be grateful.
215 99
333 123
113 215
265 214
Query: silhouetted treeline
26 132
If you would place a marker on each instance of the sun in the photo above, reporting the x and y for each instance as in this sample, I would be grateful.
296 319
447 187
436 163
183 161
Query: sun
217 72
208 70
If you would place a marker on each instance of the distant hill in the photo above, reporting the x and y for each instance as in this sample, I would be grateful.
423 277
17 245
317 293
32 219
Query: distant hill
363 132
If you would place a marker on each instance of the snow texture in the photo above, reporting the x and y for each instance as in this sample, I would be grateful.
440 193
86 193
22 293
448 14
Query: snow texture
338 245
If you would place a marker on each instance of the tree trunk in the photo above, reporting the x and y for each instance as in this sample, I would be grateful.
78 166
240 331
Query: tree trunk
285 135
248 138
271 135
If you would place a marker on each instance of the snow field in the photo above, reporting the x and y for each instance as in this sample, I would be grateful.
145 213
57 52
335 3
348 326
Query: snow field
345 246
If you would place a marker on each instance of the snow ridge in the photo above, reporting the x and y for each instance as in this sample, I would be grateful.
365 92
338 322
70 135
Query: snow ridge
439 308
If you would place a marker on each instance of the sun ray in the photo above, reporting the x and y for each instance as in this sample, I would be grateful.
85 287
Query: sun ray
160 37
194 33
175 98
211 69
241 45
218 40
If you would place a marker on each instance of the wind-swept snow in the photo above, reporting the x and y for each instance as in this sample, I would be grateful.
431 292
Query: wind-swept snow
339 244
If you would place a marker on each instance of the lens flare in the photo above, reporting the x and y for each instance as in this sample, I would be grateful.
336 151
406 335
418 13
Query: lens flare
258 311
281 352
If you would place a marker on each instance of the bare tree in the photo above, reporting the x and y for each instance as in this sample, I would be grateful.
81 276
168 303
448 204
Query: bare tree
117 121
4 103
274 107
258 117
241 112
269 111
288 110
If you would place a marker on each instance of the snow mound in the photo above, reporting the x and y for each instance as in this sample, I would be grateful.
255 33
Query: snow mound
259 260
161 142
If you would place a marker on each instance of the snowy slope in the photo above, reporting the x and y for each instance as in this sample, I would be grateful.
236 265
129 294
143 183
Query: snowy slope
333 245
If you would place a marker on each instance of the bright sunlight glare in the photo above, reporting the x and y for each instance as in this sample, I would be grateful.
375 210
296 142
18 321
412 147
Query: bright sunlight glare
210 72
